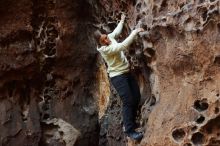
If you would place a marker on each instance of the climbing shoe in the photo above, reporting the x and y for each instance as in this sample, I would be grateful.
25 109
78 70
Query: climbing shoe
135 135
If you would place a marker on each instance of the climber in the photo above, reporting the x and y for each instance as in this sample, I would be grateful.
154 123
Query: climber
120 76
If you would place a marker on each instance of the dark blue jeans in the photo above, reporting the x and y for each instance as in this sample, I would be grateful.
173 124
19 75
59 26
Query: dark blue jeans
128 90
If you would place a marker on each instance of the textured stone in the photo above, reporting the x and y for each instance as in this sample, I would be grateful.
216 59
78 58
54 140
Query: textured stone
59 130
104 90
48 71
181 49
51 75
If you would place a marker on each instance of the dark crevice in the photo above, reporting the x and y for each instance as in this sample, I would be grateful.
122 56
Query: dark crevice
18 36
216 110
218 26
178 134
198 138
200 119
201 1
187 144
151 51
201 105
212 7
194 128
204 15
138 7
11 87
217 60
164 5
212 125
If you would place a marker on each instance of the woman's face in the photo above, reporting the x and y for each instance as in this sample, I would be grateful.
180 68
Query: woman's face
105 40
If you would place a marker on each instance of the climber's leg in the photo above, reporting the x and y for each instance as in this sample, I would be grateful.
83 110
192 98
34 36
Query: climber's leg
122 87
136 96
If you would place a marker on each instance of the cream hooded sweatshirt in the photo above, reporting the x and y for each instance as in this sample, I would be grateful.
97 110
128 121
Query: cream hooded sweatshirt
113 54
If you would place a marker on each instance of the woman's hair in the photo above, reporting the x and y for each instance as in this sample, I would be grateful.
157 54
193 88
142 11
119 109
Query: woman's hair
97 36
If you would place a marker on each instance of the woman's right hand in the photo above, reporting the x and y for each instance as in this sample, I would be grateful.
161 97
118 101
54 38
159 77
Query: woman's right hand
139 30
123 17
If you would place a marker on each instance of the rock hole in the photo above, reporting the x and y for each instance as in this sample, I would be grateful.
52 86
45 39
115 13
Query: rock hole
212 7
152 101
204 15
218 25
46 91
212 0
198 138
61 133
151 51
47 97
178 134
112 26
11 87
200 119
138 17
217 94
187 144
46 116
181 5
144 26
38 42
198 24
217 59
163 5
218 134
138 7
134 2
201 105
164 20
24 117
201 1
216 110
194 128
50 52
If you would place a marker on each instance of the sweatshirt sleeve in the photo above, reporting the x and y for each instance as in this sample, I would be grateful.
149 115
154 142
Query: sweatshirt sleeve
117 30
121 46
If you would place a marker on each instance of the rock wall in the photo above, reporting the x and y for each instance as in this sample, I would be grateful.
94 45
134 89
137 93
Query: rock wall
177 62
48 73
54 88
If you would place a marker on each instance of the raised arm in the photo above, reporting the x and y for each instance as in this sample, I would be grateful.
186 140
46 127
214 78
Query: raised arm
119 28
125 44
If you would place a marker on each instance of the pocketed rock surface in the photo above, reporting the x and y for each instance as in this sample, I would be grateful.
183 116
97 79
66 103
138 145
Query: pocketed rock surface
177 60
54 88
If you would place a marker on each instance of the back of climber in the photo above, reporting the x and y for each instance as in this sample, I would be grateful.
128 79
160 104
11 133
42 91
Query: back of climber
120 76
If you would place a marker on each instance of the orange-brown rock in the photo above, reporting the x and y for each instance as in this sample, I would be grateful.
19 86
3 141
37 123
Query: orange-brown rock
54 88
181 48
